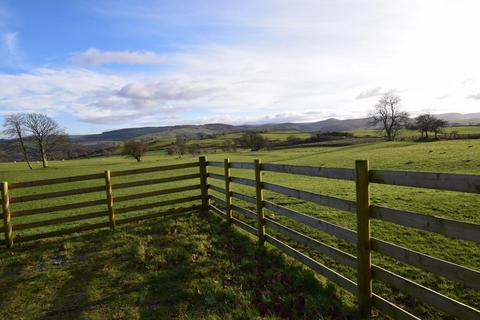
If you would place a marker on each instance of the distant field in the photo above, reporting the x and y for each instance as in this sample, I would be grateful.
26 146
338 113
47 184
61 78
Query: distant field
459 156
415 133
219 140
281 136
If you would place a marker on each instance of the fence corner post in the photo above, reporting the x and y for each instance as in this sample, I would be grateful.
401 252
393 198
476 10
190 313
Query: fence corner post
7 218
364 276
109 192
204 183
228 189
260 204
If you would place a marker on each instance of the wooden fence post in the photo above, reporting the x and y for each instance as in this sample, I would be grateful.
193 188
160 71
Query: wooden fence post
7 219
259 196
228 189
204 182
109 191
364 276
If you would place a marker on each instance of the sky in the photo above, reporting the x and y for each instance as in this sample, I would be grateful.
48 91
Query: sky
101 65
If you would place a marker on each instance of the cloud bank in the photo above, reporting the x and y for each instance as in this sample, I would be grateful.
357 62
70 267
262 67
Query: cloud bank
95 57
254 62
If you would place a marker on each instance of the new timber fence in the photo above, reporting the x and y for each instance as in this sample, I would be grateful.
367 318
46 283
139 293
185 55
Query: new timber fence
109 201
364 210
361 237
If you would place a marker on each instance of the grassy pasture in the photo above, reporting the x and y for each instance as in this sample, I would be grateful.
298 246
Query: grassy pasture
279 136
461 156
185 268
415 133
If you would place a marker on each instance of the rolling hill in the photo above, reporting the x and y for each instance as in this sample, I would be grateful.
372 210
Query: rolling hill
330 124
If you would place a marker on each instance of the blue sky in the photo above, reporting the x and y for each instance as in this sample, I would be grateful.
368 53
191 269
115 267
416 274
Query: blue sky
102 65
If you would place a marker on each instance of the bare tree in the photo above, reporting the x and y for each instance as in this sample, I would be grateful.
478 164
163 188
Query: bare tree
134 149
388 113
45 131
424 123
14 128
438 126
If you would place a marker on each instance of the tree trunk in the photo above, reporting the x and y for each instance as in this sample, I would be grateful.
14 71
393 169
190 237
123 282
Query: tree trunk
389 135
25 154
44 157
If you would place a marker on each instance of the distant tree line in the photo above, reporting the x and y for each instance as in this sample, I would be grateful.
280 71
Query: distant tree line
388 114
426 123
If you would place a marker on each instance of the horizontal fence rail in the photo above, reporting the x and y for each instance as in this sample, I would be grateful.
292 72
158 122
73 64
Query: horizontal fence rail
333 173
110 212
322 225
328 273
244 181
50 195
451 228
243 197
43 223
452 271
443 181
49 182
156 193
156 181
424 294
337 203
154 169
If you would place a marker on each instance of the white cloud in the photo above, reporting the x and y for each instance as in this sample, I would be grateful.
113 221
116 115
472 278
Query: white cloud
375 92
474 96
297 63
166 90
95 57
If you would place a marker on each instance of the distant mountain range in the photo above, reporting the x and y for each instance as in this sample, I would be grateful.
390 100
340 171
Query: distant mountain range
331 124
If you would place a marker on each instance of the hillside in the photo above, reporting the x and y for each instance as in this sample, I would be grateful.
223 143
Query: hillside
330 124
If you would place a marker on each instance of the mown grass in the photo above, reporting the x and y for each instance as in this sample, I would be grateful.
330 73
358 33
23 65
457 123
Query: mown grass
189 267
460 156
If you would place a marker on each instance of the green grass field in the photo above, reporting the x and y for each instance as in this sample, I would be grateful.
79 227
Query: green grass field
413 133
460 156
186 268
277 136
281 136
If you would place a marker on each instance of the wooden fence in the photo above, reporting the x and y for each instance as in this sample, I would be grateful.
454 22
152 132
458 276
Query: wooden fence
364 210
109 201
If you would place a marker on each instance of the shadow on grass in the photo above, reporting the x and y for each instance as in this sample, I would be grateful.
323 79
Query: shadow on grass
193 267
